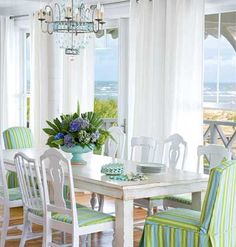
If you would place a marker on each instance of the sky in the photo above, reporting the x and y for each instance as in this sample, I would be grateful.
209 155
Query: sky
227 60
106 64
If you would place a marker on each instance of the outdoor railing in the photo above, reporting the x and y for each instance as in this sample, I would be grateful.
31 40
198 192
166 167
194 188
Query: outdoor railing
221 132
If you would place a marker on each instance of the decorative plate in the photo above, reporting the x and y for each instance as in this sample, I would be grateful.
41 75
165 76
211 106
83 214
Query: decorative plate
113 169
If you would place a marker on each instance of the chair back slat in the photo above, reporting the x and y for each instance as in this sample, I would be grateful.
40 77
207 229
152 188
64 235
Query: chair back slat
30 182
54 169
3 180
218 217
116 148
174 151
143 149
214 155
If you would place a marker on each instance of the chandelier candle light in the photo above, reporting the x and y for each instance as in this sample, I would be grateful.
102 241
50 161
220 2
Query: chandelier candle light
73 21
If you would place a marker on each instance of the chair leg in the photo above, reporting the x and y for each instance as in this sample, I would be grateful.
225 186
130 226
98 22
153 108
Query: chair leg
93 200
100 203
150 209
75 240
5 225
26 229
47 235
84 240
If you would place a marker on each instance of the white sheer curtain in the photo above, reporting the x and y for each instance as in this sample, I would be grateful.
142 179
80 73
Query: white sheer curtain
9 74
58 82
166 40
39 82
78 80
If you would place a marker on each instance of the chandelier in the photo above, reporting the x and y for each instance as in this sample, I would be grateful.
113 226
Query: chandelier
73 22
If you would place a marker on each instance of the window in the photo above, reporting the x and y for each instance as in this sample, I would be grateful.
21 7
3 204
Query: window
220 61
106 73
25 85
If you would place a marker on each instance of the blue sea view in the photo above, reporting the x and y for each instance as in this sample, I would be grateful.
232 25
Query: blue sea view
227 91
106 90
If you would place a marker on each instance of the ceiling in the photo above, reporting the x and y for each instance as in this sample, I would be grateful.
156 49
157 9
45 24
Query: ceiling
18 7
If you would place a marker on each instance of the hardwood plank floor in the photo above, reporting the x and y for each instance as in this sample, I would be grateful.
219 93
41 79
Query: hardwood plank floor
103 239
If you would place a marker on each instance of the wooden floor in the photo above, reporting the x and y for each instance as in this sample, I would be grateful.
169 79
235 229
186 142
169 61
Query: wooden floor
98 240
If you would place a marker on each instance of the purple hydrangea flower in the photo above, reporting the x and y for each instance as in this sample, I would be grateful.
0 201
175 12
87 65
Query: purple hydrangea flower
84 124
75 125
69 140
95 136
59 136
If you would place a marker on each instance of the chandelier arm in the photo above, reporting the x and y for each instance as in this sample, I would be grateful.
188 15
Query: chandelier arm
59 10
44 31
49 7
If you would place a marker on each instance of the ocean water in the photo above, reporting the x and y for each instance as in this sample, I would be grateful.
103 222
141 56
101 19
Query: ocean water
106 90
227 91
226 94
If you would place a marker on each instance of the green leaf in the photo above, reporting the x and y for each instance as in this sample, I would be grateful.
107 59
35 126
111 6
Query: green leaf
58 142
78 108
50 132
53 126
57 123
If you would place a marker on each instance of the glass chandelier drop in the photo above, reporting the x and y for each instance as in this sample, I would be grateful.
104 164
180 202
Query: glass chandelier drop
73 22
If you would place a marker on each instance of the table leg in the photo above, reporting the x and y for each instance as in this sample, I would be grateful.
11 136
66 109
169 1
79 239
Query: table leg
124 223
197 200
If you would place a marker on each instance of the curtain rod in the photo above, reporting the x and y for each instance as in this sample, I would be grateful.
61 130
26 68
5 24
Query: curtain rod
18 16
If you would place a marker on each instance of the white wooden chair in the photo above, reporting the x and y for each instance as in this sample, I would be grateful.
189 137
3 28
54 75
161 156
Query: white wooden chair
143 149
115 149
9 198
30 182
75 221
174 154
214 155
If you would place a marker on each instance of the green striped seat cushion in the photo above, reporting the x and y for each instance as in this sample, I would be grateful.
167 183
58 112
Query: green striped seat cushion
172 228
18 137
86 216
178 217
14 194
184 198
155 198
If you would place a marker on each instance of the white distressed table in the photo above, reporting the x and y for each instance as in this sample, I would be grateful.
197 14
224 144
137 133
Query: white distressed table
88 177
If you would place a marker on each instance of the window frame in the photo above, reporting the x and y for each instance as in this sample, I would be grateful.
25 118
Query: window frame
217 105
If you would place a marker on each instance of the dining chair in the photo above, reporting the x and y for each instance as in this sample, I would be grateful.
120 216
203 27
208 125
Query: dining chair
76 221
214 154
213 226
115 147
30 182
173 155
9 198
143 149
17 138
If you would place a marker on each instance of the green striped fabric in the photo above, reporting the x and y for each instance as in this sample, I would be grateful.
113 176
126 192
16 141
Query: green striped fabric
15 138
184 198
14 194
214 227
86 216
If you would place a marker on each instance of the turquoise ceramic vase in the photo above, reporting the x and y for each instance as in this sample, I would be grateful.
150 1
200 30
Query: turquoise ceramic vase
77 152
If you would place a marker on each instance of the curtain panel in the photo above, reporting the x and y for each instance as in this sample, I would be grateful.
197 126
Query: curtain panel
166 67
9 74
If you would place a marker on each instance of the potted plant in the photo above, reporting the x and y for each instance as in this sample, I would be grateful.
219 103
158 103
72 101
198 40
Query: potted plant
76 134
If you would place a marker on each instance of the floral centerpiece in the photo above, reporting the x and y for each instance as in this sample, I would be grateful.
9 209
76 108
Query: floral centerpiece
76 133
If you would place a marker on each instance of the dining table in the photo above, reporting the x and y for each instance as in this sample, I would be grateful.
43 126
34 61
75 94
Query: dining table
88 177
